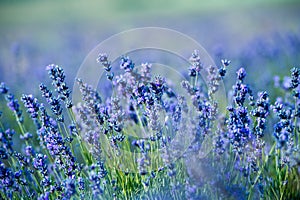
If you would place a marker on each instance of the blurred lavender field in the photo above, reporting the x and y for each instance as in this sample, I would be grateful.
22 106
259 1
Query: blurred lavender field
151 130
256 35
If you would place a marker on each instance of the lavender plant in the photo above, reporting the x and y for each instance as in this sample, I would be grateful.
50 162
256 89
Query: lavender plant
150 141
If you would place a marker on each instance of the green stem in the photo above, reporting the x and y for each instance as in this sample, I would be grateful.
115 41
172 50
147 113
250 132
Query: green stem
140 121
1 126
260 171
22 128
282 186
296 132
196 80
87 157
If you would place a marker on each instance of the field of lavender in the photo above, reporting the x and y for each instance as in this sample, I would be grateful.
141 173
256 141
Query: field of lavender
217 125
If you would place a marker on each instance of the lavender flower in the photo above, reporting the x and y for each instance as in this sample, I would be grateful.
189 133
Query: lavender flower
57 76
146 72
196 62
283 130
222 70
29 151
54 102
3 88
73 129
93 101
214 78
31 104
8 183
239 121
6 142
103 59
96 174
40 163
295 77
126 64
261 112
26 136
12 103
241 74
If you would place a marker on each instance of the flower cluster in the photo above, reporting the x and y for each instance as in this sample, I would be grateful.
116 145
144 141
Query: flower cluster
148 138
12 103
103 60
57 76
260 112
54 102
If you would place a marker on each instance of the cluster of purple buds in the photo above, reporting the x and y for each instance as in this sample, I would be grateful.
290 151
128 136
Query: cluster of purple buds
81 184
143 95
143 161
126 64
23 161
239 121
205 110
153 120
150 92
26 136
158 87
3 88
238 127
196 64
93 101
295 81
54 102
241 74
241 90
225 64
176 116
116 114
286 130
29 151
73 129
6 143
188 87
96 174
12 103
40 163
45 119
295 77
145 72
57 76
54 142
69 188
103 59
31 104
283 130
8 183
171 169
261 111
114 139
214 78
143 145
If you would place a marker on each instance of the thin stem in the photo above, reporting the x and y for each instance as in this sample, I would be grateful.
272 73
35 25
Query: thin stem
260 171
1 126
84 152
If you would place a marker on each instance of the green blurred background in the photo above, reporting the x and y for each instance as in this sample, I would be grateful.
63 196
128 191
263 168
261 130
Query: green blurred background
35 33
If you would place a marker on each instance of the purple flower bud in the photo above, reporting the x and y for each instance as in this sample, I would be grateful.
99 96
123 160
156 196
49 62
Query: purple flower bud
3 88
241 74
